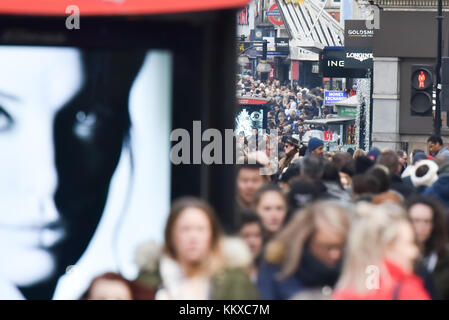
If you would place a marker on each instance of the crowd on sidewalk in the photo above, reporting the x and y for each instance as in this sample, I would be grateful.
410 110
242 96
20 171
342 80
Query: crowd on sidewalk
339 226
325 225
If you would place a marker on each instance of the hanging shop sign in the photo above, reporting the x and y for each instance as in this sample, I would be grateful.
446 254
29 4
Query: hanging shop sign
332 97
282 45
358 58
357 34
333 63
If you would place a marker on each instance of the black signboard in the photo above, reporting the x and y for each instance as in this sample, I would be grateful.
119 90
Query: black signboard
357 34
333 64
358 58
282 44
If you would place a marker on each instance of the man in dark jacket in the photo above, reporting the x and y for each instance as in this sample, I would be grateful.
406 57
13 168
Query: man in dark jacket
436 147
389 159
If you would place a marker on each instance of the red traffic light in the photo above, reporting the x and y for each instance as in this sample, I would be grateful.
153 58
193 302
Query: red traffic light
422 79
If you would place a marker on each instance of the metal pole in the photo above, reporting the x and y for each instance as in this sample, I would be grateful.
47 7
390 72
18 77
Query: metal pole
437 121
264 75
371 111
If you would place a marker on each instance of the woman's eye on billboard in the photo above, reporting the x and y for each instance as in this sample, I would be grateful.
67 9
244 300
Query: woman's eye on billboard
6 121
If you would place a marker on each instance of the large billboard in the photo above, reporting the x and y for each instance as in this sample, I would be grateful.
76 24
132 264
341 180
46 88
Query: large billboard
84 178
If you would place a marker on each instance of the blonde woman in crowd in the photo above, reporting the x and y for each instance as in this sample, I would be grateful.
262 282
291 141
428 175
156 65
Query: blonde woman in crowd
305 257
380 257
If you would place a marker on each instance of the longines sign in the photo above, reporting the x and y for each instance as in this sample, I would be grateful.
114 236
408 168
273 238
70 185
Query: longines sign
360 58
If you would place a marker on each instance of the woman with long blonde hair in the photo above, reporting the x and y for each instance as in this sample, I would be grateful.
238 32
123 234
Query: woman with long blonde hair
306 255
380 255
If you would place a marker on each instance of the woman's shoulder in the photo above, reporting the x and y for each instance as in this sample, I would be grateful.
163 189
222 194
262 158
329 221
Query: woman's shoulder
233 284
232 281
236 254
147 258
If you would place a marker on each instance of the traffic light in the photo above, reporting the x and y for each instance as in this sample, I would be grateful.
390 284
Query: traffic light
422 90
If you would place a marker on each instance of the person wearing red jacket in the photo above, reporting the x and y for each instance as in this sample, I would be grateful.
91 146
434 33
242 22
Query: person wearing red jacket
380 256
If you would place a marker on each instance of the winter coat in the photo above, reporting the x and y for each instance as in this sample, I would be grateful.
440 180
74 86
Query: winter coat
443 152
231 282
335 191
287 160
401 286
440 274
312 275
440 189
405 188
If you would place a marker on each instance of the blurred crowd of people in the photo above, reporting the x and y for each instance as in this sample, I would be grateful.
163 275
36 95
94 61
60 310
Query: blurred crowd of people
288 109
327 226
289 105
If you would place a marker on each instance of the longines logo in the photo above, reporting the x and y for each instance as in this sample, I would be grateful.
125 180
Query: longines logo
359 56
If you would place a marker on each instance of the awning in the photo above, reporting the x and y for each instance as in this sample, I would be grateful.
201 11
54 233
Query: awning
113 7
350 102
310 26
335 120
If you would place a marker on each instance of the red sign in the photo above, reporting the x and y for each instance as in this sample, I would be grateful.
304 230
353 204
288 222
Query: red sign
108 7
295 70
327 135
251 101
275 20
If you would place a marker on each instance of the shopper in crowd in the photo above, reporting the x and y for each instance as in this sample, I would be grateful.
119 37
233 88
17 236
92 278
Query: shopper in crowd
307 254
424 174
196 261
429 220
389 159
271 206
436 147
332 182
251 231
113 286
359 153
380 256
249 179
415 158
439 189
291 148
315 147
402 157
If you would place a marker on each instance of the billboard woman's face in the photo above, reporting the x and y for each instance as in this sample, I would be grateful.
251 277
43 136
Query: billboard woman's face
35 83
63 119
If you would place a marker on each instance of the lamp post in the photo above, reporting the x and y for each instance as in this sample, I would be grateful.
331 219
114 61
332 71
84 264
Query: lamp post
437 119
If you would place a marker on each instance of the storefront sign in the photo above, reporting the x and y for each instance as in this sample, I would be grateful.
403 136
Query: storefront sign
332 97
357 34
360 58
333 63
282 45
347 111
